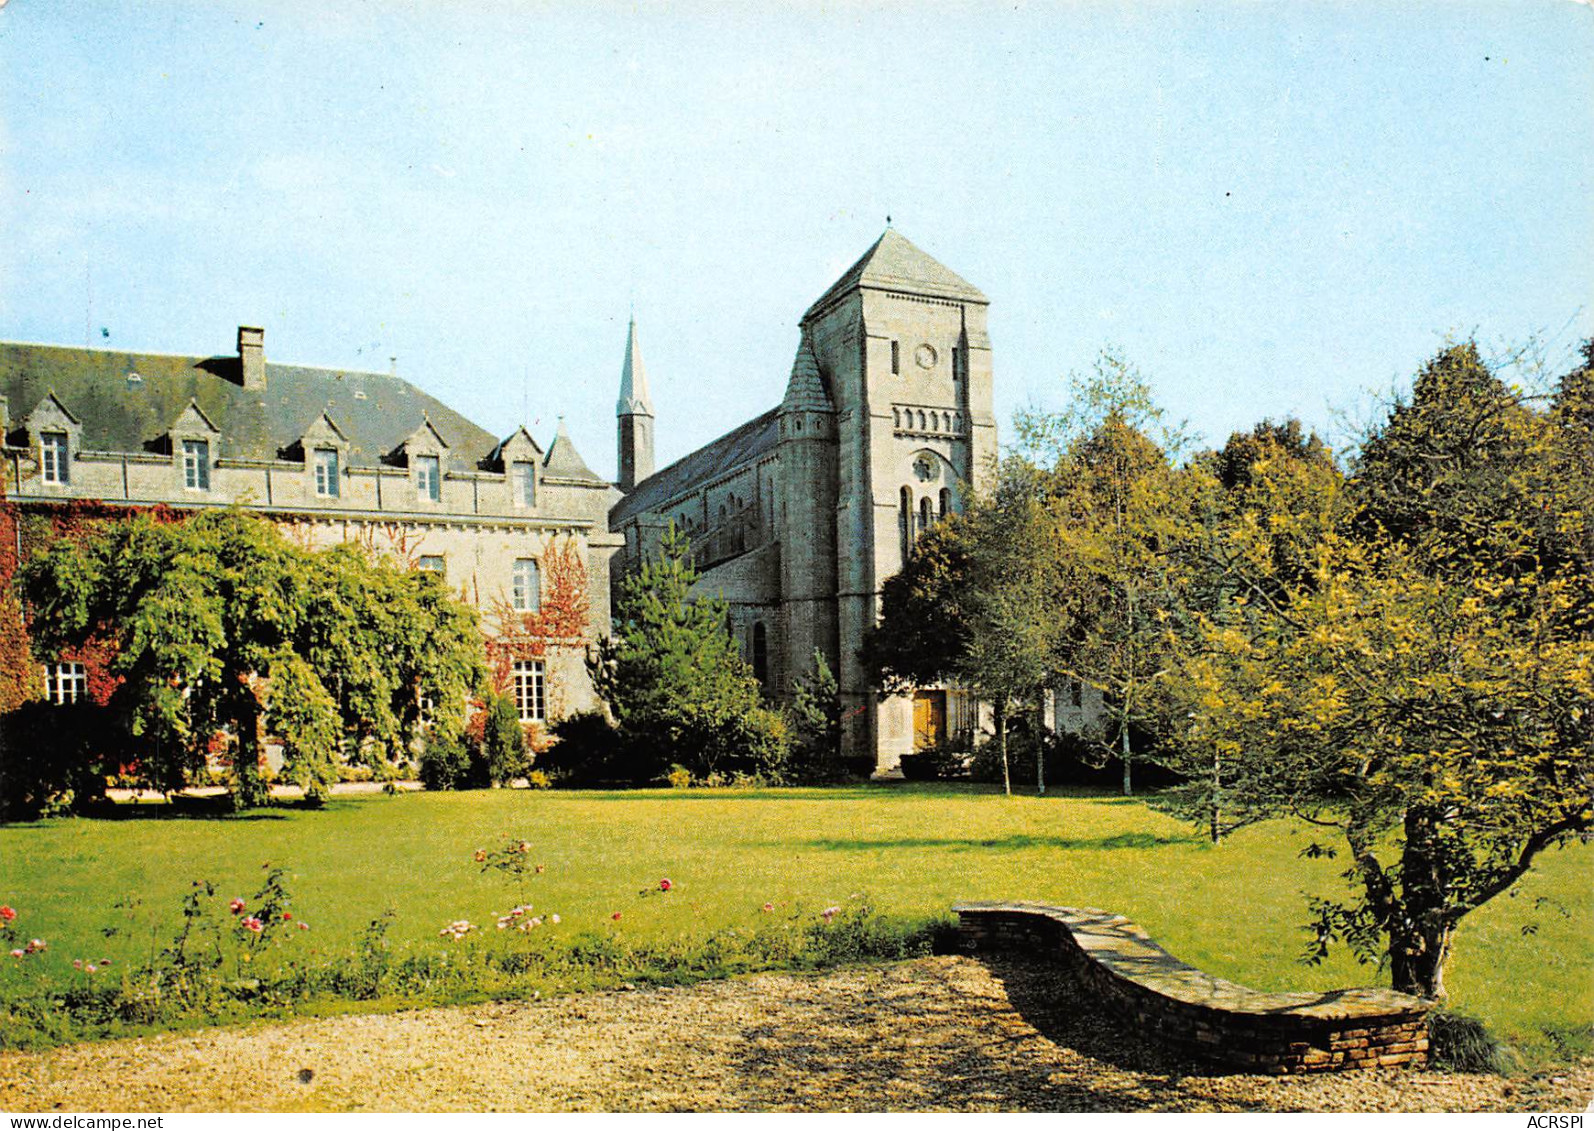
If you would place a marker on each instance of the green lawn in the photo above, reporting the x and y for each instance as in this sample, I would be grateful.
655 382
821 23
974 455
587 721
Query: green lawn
1523 964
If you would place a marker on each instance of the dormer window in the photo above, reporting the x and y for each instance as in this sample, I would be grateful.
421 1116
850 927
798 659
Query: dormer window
428 478
326 472
523 477
54 458
196 465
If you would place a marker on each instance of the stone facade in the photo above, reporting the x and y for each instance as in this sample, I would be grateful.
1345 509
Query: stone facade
1216 1020
329 455
800 515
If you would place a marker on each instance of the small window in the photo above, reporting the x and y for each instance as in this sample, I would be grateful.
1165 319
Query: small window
896 356
1076 691
760 652
527 680
196 465
527 585
431 563
905 520
524 476
924 514
65 683
957 362
428 478
53 458
946 503
326 472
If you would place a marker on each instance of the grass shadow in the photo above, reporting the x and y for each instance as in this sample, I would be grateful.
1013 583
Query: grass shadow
1014 843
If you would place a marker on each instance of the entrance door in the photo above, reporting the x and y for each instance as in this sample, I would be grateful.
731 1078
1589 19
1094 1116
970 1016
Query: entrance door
929 719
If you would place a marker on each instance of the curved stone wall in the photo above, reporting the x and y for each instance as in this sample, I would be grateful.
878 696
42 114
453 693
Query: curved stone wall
1214 1019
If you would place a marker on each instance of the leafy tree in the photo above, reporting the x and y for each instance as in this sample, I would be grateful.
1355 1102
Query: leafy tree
219 622
975 604
679 689
1421 680
1241 527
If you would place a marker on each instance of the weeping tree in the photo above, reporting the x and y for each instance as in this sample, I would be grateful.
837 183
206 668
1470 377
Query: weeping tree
221 631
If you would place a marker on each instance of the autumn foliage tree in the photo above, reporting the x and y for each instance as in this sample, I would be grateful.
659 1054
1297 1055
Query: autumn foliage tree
1421 680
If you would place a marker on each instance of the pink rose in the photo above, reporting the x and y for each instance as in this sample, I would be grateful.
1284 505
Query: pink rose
769 907
253 924
17 953
665 885
303 926
615 916
236 907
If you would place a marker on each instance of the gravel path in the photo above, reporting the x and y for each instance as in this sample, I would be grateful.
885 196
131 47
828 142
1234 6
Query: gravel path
939 1034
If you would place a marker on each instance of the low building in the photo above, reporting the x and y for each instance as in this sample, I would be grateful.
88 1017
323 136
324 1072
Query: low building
330 456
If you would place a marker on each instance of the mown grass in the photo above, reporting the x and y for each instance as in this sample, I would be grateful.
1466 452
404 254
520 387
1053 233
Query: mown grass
1525 965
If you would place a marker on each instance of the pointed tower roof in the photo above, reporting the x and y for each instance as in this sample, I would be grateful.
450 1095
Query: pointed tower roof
564 461
893 263
634 398
805 392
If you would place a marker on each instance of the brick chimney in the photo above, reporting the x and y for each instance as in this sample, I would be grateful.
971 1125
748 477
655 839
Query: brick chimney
252 356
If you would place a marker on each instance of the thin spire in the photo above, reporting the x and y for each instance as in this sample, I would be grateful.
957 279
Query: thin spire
634 397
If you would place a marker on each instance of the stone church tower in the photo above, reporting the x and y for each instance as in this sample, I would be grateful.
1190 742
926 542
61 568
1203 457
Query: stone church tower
797 517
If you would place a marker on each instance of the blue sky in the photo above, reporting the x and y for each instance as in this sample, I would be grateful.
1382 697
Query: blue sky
1269 208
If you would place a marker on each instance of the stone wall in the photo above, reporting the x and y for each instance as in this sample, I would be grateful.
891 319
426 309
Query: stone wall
1275 1033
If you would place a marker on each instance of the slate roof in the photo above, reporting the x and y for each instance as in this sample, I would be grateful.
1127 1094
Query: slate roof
122 415
563 459
805 391
894 263
742 445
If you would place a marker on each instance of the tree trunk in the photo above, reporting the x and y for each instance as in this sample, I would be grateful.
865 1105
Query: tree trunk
1419 940
250 788
1417 962
999 716
1040 748
1217 800
1123 734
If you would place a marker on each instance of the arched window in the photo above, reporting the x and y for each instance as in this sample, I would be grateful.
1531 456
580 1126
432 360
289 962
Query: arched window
906 521
760 653
946 502
924 514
